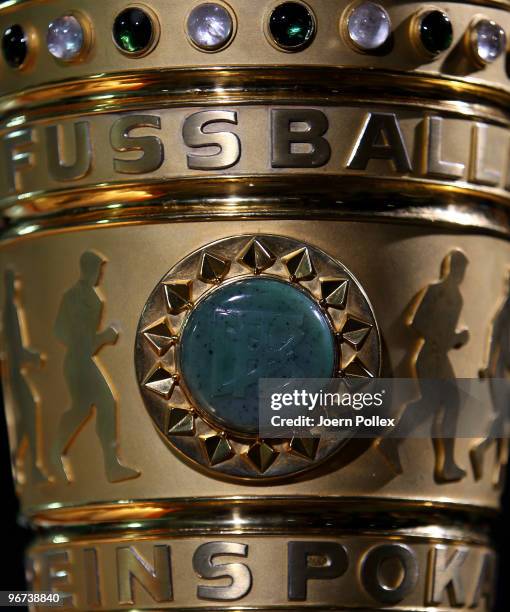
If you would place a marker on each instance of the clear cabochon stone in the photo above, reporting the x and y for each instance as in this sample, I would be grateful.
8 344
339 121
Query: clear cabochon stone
369 26
65 37
210 26
490 40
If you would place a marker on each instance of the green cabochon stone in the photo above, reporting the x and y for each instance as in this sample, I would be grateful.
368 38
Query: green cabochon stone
246 330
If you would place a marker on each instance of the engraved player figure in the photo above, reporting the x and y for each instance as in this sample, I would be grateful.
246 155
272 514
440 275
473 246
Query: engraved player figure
78 320
17 359
497 370
435 320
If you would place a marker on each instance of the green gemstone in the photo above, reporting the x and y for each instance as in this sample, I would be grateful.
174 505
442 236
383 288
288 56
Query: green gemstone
436 32
133 30
251 329
292 26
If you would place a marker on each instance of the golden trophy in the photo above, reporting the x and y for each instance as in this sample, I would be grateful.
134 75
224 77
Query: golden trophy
198 195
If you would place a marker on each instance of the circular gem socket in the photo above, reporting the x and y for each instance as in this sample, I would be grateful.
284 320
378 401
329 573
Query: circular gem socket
15 46
435 31
210 26
247 330
292 26
134 31
368 26
65 38
488 41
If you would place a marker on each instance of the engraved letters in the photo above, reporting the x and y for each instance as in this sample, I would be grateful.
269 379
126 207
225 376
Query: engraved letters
82 158
16 158
288 141
133 568
206 566
179 142
195 136
313 560
151 146
380 138
408 573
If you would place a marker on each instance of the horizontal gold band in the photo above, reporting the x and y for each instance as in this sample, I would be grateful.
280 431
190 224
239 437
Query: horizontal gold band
303 201
272 514
12 5
135 258
119 158
175 51
371 571
248 84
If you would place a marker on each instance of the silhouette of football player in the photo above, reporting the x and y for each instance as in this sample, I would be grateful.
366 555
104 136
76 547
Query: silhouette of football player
497 370
17 359
77 324
435 321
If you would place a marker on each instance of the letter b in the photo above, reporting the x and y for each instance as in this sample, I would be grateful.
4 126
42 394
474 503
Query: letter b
287 139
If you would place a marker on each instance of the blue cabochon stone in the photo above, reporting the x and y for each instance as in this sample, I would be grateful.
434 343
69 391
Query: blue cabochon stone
253 328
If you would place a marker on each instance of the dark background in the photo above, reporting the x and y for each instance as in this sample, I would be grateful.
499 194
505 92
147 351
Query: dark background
17 538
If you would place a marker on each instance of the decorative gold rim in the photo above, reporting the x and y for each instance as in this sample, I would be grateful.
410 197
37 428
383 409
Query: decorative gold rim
117 198
140 510
246 84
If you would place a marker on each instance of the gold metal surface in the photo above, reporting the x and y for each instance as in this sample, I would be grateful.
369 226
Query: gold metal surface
408 259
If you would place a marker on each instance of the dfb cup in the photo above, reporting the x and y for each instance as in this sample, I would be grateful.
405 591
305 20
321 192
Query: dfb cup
337 170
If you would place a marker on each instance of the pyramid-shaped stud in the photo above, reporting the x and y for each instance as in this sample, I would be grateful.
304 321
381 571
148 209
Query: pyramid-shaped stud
356 369
217 448
181 422
256 257
160 336
160 381
178 296
305 447
213 268
334 292
355 332
261 455
300 265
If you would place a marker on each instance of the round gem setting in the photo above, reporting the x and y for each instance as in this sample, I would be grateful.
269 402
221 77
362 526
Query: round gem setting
435 32
15 46
65 38
292 26
368 26
488 41
134 31
210 26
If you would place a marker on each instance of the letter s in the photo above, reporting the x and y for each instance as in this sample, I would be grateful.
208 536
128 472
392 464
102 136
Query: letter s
227 143
239 574
150 146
